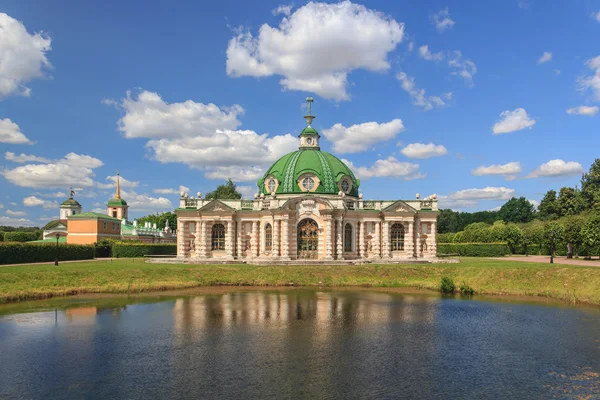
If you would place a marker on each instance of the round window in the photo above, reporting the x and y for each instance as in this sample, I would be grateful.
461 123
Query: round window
345 186
308 183
309 141
272 185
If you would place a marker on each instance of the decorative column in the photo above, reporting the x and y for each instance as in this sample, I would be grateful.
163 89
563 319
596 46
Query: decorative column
254 239
377 244
198 237
285 235
361 239
181 240
386 240
328 244
417 238
409 238
202 239
340 239
240 231
229 239
275 238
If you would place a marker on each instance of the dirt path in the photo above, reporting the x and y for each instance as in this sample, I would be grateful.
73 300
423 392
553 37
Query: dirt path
557 260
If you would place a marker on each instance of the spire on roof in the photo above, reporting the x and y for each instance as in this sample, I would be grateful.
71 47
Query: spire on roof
308 117
118 193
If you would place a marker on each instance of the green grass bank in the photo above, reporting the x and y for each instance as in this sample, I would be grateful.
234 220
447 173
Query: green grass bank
569 283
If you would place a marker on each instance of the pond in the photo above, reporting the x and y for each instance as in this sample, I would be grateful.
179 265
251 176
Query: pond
315 344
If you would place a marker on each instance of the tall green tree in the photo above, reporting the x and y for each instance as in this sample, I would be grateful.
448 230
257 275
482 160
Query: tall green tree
591 233
590 186
573 237
547 207
569 202
553 235
517 210
513 237
227 191
533 235
160 219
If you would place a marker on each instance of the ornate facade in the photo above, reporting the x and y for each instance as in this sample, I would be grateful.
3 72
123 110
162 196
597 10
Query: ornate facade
308 208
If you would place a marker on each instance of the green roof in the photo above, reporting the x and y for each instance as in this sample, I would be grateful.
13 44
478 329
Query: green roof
327 167
116 202
61 239
92 215
70 202
309 130
54 223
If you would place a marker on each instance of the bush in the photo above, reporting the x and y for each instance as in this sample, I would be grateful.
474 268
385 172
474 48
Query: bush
126 250
447 285
1 236
474 249
445 237
20 236
466 289
18 253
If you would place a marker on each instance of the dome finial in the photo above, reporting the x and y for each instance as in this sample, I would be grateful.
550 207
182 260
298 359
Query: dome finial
308 117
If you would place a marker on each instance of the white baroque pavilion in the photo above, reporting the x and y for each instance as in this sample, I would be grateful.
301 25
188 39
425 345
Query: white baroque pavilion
308 208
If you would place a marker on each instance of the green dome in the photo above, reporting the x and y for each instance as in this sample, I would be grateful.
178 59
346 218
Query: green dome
70 202
309 130
116 202
329 170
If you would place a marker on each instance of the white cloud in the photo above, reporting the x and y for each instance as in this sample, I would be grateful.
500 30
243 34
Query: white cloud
511 121
470 198
509 170
411 45
33 201
465 68
146 203
22 56
361 137
535 203
99 210
597 16
421 150
72 170
387 168
1 205
283 10
236 174
9 131
23 158
442 20
316 47
16 213
418 95
247 191
10 221
556 71
57 195
554 168
123 183
184 189
592 82
547 56
583 110
426 54
46 218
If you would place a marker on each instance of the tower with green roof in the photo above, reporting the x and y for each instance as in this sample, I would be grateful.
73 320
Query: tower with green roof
117 207
70 206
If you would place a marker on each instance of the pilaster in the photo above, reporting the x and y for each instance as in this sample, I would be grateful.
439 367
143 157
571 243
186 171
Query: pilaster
340 239
254 239
285 235
417 239
361 239
328 244
181 240
240 230
203 239
229 239
386 240
198 243
377 243
275 238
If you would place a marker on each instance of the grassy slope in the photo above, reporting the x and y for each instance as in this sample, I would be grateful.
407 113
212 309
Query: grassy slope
571 283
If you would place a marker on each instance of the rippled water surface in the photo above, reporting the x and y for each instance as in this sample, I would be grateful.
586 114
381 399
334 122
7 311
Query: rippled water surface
299 344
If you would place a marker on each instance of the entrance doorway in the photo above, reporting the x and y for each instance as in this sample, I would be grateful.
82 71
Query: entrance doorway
308 239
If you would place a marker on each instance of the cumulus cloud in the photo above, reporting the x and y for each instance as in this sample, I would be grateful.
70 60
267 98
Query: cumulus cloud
418 95
9 131
236 173
426 54
283 10
361 137
441 20
247 191
469 198
182 188
597 16
463 68
554 168
387 168
199 135
421 150
57 195
73 170
583 110
11 221
547 56
22 56
145 202
123 183
534 203
16 213
509 170
592 82
23 158
511 121
33 201
316 47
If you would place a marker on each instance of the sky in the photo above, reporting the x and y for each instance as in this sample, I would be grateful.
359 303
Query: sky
473 101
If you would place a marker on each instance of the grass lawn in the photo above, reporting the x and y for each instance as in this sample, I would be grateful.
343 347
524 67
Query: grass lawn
567 282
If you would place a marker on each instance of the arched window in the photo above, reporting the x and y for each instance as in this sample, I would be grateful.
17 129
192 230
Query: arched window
268 237
397 237
348 238
218 237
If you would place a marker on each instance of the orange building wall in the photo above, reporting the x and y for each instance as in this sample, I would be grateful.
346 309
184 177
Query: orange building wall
94 230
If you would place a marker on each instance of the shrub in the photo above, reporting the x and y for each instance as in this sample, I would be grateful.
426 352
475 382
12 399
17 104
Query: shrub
19 253
447 285
474 249
1 236
124 250
20 236
466 289
445 237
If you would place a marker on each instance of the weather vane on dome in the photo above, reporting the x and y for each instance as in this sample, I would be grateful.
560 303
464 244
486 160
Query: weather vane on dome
308 117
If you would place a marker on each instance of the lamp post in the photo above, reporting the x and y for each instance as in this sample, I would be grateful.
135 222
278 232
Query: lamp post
56 259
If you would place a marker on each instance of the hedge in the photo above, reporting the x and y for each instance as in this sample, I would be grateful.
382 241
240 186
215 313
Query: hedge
124 250
474 249
20 236
1 236
18 253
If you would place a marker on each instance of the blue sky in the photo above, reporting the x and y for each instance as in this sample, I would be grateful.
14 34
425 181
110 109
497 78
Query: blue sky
474 101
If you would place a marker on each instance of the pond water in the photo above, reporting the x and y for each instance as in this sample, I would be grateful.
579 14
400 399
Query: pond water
298 344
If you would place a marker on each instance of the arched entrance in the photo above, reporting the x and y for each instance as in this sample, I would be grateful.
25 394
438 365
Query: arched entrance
308 239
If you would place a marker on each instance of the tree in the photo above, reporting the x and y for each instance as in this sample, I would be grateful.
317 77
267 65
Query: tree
547 207
569 202
517 210
590 186
553 234
226 191
573 237
533 234
513 237
160 219
591 233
